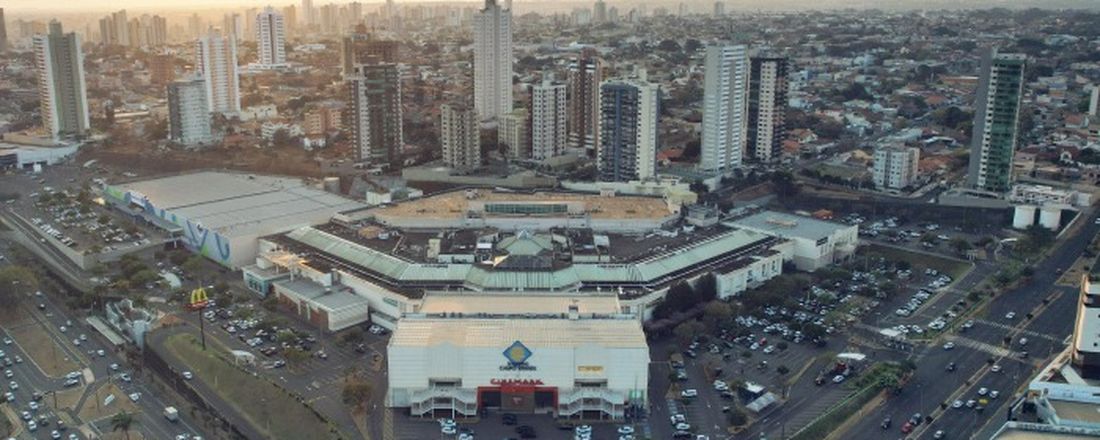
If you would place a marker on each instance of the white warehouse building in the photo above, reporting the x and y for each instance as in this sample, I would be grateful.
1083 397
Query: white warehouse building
817 243
222 215
531 354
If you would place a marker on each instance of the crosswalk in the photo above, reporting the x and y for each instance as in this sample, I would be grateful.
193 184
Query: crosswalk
994 350
1024 332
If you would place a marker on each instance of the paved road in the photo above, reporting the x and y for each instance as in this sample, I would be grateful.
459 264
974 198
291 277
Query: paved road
932 386
32 379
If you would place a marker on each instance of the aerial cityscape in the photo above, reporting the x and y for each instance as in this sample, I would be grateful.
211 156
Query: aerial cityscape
586 220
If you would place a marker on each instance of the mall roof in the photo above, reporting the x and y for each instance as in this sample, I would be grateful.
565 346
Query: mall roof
455 204
788 225
654 269
316 293
238 204
510 304
534 333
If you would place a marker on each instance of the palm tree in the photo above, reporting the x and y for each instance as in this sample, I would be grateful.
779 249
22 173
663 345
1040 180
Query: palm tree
122 422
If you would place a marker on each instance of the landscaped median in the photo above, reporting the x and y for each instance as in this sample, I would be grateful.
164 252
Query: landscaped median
269 408
880 377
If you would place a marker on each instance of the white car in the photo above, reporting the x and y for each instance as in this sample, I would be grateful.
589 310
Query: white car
8 374
64 329
100 353
76 342
7 341
838 378
449 430
689 393
33 406
187 375
958 404
994 394
32 426
995 369
983 391
626 430
135 396
1010 315
683 427
114 367
948 345
13 386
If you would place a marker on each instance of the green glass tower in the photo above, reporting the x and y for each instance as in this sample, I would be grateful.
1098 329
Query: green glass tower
996 121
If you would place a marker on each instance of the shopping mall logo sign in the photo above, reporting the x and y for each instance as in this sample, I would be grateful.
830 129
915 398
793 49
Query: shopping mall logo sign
517 355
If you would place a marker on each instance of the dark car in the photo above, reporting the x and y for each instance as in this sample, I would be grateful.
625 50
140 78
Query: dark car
509 419
951 367
526 431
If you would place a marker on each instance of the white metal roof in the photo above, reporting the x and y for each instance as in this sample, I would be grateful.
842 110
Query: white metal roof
534 333
512 304
238 204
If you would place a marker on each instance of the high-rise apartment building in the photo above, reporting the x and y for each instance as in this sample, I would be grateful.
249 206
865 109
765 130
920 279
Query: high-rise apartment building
719 9
233 25
162 69
460 136
216 61
548 115
1094 94
61 88
513 131
250 30
996 121
323 119
1086 339
628 130
188 112
895 167
493 61
3 32
725 108
599 12
767 124
109 31
290 18
586 73
358 48
308 14
121 28
375 106
270 38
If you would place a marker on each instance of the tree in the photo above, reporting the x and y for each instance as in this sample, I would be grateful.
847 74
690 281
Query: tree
157 130
356 394
687 331
960 245
16 278
715 313
193 264
692 45
737 417
669 46
122 422
295 356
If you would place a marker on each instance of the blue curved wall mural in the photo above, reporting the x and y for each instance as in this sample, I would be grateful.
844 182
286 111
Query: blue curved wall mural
195 237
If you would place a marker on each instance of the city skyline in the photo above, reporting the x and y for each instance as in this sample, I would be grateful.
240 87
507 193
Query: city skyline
700 6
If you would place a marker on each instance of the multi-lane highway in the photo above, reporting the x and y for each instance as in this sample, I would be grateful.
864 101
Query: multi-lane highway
95 372
1051 308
